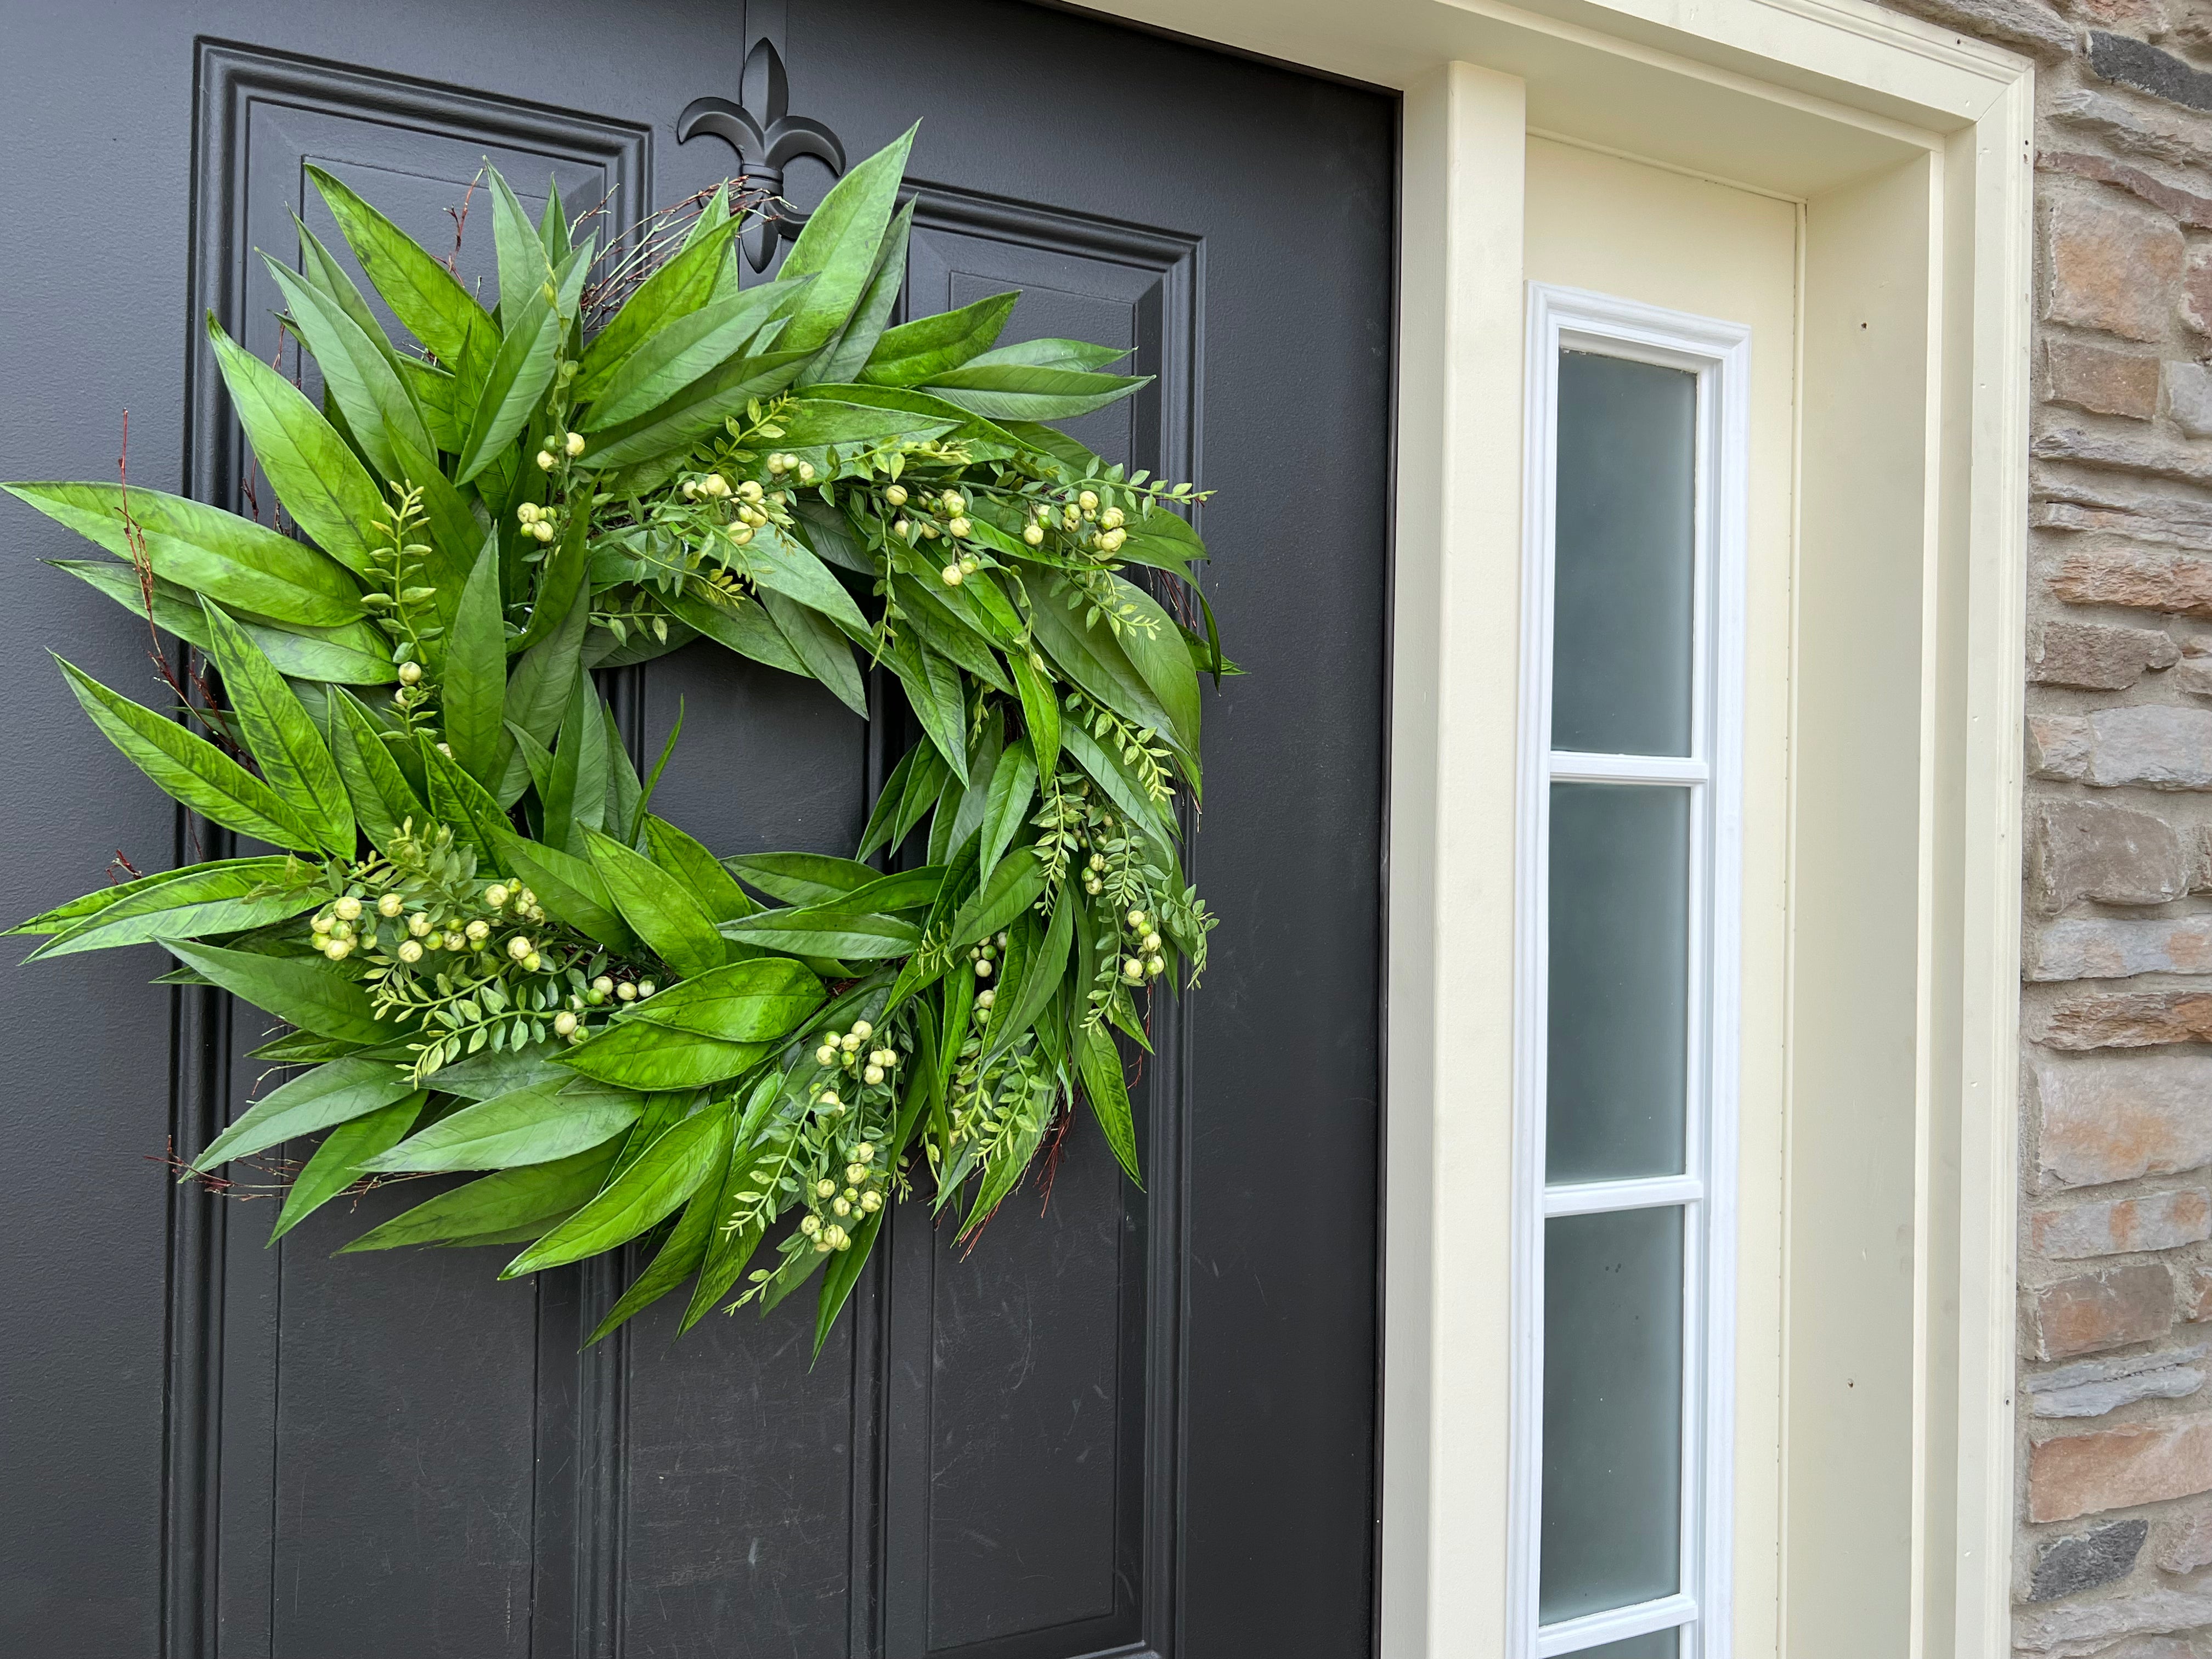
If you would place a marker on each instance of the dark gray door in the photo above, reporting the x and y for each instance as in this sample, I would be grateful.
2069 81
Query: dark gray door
1123 1422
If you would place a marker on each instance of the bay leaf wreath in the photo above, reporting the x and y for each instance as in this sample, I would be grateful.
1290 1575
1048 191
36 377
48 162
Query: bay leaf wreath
493 954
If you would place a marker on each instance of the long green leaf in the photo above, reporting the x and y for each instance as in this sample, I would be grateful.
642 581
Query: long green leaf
838 247
513 384
678 1257
359 374
383 799
1093 659
334 1093
538 1124
1012 887
189 769
569 889
1019 1003
328 492
523 268
338 1160
354 654
802 878
698 409
787 567
670 1170
472 686
847 935
680 353
496 1207
302 990
428 298
754 1001
657 908
676 289
1020 391
636 1055
913 353
1099 1063
841 360
713 888
226 898
63 917
230 559
739 624
294 759
1013 786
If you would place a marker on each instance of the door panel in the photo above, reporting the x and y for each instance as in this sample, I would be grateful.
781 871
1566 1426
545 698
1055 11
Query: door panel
1122 1420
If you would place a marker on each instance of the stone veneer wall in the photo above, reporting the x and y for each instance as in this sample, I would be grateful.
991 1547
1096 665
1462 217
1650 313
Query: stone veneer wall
2114 1551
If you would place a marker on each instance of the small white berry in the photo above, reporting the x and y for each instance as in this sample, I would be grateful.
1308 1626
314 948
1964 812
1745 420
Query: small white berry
871 1074
409 950
564 1022
348 909
626 992
545 460
410 673
951 576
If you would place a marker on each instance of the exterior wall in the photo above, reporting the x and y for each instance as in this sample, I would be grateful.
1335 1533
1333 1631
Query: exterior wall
2114 1550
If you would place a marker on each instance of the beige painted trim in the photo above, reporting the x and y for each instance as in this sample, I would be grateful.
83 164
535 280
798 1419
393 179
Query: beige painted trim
1916 138
1455 675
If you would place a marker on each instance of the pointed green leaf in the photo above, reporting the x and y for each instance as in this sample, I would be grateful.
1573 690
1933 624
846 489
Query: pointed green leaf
787 568
338 1162
701 874
839 245
739 624
1011 889
670 1170
497 1206
916 352
1099 1064
675 1260
226 897
802 878
1020 1002
292 758
189 769
360 375
847 935
230 559
676 289
1040 712
569 889
842 359
524 269
687 348
754 1001
383 800
328 492
428 298
472 686
1013 786
336 1092
633 1054
656 905
1052 354
302 990
354 654
828 658
513 384
1020 391
700 408
535 1125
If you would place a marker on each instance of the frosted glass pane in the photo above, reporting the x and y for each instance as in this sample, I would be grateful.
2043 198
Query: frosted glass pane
1624 574
1655 1644
1613 1411
1620 981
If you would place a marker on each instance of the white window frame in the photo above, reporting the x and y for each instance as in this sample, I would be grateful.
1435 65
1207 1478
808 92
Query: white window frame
1719 353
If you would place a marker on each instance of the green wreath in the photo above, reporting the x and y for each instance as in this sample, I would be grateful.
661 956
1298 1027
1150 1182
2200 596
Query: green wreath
493 954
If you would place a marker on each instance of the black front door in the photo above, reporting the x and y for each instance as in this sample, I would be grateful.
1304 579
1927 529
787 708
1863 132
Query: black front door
1123 1422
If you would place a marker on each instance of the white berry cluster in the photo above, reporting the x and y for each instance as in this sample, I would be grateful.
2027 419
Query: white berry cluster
1144 960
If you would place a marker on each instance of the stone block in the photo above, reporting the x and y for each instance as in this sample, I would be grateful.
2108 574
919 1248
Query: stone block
2106 1309
2097 657
2124 125
2102 1555
2113 266
2117 1468
2132 450
2094 849
2189 398
2115 1117
2197 292
2143 578
2123 1019
2105 947
2137 64
2185 206
2101 380
2186 1543
2095 1399
2193 673
2155 746
2155 1221
2080 1629
2192 1294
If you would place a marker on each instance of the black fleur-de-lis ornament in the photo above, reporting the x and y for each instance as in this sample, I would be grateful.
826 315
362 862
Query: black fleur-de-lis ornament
766 143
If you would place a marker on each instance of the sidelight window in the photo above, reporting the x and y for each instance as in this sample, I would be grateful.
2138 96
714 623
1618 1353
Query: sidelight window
1628 887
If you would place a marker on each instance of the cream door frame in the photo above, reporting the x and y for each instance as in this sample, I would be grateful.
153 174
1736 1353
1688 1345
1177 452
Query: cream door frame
1909 146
